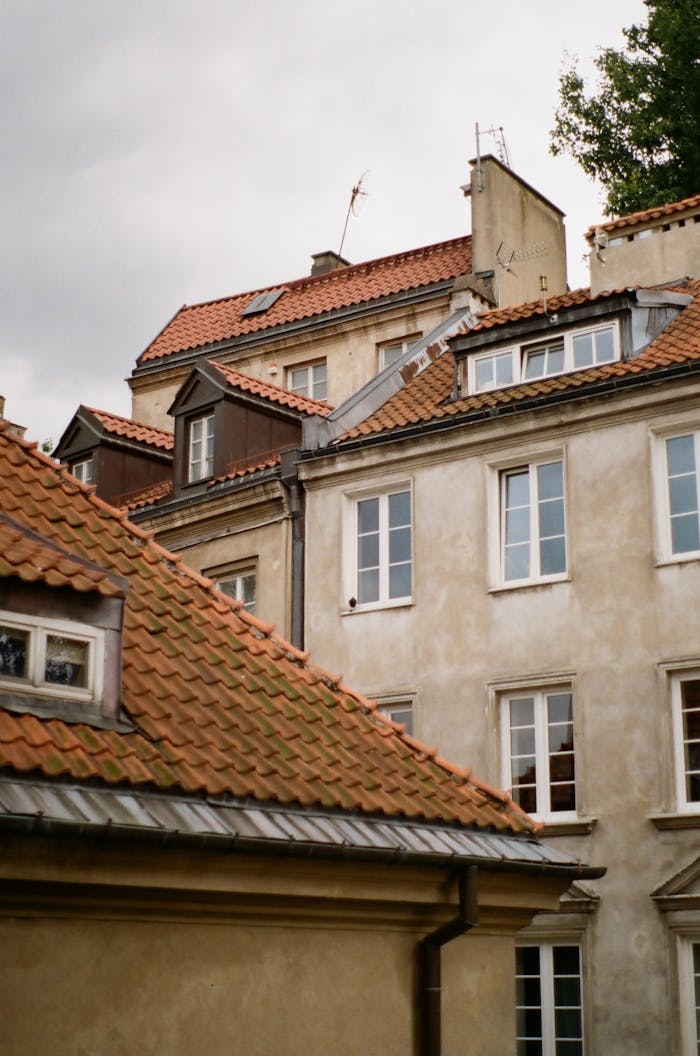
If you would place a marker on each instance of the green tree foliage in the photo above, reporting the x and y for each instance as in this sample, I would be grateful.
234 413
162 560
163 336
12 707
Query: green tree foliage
639 132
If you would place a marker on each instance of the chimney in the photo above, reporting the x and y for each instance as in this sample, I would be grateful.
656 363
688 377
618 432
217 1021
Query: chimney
328 261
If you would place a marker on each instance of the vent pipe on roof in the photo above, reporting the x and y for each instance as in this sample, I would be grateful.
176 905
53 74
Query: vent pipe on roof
429 961
327 261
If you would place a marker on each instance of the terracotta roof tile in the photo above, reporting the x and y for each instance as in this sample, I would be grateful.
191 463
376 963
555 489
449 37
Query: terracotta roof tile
427 396
220 704
134 500
195 326
131 430
644 215
273 393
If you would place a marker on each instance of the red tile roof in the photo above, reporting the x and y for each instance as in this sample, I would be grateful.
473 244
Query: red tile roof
195 326
131 430
427 397
644 215
34 560
220 703
273 393
134 500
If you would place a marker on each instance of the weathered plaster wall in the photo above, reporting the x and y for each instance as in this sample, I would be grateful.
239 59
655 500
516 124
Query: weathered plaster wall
662 253
607 629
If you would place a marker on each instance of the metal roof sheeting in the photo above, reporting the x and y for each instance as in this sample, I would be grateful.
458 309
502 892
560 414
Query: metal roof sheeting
58 807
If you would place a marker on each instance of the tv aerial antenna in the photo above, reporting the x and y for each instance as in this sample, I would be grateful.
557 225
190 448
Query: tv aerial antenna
356 194
501 149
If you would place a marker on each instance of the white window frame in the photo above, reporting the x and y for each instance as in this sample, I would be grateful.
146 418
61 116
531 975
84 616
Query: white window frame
202 467
543 810
236 577
496 495
350 602
311 385
546 976
84 470
690 1036
677 678
38 631
665 552
519 354
397 709
401 343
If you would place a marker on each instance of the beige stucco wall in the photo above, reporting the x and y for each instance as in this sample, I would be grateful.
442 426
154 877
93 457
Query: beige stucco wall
350 348
234 956
648 254
607 629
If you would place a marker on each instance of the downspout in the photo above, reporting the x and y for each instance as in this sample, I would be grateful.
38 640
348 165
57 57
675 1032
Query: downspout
430 961
290 478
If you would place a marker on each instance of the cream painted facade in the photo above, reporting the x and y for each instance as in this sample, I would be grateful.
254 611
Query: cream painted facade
351 348
616 629
119 949
649 252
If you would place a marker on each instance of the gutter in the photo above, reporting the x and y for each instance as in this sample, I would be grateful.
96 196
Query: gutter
430 961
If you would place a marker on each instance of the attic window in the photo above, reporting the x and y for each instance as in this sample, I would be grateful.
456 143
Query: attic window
84 470
261 302
51 658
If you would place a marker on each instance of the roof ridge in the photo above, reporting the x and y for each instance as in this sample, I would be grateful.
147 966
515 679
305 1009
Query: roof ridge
225 369
334 275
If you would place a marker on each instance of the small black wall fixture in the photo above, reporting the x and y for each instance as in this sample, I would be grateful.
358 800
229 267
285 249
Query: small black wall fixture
430 961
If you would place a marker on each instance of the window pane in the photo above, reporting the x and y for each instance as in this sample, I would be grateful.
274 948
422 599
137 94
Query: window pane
561 767
14 645
683 494
685 533
518 489
552 518
368 555
66 661
560 707
400 581
562 798
555 363
484 373
566 960
518 562
368 586
583 350
518 525
399 545
534 366
552 556
319 385
550 481
400 509
522 711
604 346
368 515
522 742
504 369
681 455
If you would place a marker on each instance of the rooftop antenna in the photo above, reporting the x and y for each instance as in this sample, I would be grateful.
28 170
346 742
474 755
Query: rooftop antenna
501 150
358 191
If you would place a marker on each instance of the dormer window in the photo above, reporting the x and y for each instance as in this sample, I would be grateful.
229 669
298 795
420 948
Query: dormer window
530 362
84 470
200 463
51 658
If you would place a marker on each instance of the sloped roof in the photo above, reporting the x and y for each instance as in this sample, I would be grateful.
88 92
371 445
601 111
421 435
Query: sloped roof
274 393
657 212
427 396
198 325
220 704
131 430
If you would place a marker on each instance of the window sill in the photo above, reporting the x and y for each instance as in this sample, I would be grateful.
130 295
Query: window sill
569 827
525 584
378 606
677 559
678 820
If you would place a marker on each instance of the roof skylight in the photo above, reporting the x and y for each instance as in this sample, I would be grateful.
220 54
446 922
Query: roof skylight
261 302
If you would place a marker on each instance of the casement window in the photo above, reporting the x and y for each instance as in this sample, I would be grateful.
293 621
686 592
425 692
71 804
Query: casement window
681 462
50 657
393 350
532 522
241 586
685 703
309 380
400 711
378 558
538 751
549 1000
200 463
84 470
529 362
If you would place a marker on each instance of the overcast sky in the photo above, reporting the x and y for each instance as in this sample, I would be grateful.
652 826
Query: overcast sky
163 152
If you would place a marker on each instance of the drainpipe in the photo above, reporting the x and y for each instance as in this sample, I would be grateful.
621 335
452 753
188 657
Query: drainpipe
290 479
430 961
